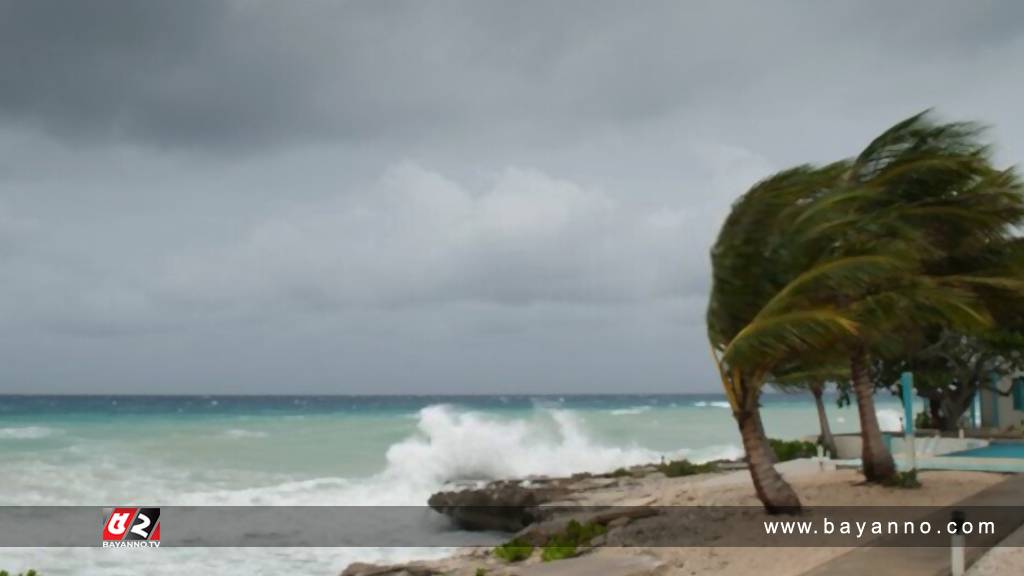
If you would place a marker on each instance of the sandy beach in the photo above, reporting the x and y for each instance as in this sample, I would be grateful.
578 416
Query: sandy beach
815 486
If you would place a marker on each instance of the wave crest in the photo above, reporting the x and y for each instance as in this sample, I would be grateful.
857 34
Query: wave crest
240 433
714 404
451 445
26 433
631 411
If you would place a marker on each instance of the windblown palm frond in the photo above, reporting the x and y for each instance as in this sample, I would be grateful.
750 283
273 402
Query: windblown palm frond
821 369
851 274
767 341
753 258
917 139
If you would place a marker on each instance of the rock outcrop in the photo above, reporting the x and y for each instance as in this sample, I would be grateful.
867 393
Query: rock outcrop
506 506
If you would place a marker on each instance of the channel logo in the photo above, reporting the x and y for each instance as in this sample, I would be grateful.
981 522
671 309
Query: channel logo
131 528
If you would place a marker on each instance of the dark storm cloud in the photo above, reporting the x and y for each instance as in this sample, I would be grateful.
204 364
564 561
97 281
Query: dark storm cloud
266 196
196 73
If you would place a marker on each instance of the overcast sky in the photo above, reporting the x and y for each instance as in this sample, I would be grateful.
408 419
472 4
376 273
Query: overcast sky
426 197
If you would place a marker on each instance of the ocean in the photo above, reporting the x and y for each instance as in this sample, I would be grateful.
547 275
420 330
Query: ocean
336 450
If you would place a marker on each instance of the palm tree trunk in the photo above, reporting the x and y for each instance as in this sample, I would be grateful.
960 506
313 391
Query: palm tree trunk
776 495
826 430
877 461
935 415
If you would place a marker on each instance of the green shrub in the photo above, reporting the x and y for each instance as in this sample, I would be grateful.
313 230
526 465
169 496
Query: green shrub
515 550
481 572
923 420
557 552
566 544
793 449
29 573
677 468
620 472
907 480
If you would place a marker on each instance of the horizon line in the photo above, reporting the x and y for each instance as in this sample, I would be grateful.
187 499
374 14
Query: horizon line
374 395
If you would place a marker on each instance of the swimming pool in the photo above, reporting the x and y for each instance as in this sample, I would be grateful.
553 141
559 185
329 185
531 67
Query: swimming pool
994 450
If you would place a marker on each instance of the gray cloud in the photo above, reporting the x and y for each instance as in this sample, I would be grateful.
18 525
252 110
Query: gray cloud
253 196
415 236
240 74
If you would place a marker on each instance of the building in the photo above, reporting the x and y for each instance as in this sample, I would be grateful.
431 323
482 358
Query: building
1005 409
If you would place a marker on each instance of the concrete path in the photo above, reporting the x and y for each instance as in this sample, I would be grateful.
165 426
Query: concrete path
883 561
1008 558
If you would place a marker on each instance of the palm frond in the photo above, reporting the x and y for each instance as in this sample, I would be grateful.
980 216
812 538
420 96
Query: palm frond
766 341
850 274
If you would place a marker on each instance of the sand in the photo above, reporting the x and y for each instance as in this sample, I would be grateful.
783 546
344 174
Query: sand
831 488
816 488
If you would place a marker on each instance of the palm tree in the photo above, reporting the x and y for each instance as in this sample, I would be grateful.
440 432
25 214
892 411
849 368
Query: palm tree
817 388
841 257
928 189
762 311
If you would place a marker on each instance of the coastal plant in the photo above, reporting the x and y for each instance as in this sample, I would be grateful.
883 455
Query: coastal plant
677 468
907 480
923 420
786 450
566 544
515 550
480 572
29 573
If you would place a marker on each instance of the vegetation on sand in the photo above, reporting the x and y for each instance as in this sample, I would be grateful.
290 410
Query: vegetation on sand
792 449
515 550
676 468
904 480
566 544
558 546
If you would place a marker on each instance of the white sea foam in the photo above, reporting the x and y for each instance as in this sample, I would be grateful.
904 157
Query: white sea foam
26 433
631 411
240 433
453 445
448 445
714 404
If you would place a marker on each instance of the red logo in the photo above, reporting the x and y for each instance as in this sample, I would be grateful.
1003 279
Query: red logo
131 527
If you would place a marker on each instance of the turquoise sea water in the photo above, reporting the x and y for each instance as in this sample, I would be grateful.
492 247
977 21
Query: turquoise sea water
336 450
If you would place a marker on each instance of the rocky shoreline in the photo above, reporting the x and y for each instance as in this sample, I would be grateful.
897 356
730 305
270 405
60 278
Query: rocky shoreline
592 524
534 511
